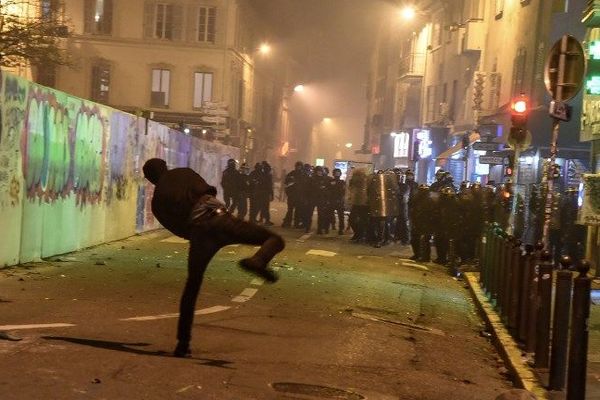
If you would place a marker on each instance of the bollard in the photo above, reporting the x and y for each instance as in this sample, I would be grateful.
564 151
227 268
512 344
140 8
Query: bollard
544 302
524 299
484 242
514 288
506 278
578 345
560 325
494 267
534 273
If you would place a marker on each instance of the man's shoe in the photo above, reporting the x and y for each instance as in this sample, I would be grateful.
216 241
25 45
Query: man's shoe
414 258
259 269
268 223
182 350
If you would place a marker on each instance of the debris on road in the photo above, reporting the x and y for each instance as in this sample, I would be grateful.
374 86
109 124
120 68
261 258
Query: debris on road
7 336
100 263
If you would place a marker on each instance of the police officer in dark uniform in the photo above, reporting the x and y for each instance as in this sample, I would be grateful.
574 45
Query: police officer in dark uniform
255 178
230 185
407 189
186 205
265 193
293 190
244 191
446 214
420 209
336 194
319 189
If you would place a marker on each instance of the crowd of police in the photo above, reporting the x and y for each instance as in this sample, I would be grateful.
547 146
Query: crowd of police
389 206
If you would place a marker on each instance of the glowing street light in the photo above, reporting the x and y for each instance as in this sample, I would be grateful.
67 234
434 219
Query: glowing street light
299 88
264 49
348 145
326 120
408 13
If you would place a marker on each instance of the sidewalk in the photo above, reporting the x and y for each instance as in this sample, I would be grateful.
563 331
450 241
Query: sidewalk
524 375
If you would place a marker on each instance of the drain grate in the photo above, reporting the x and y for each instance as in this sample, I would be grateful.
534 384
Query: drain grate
323 392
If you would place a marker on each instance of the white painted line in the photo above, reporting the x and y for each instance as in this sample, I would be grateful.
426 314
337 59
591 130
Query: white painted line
231 245
418 266
245 295
174 239
257 281
33 326
323 253
209 310
304 237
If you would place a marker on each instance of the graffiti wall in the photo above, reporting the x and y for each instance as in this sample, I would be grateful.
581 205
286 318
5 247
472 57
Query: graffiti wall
70 168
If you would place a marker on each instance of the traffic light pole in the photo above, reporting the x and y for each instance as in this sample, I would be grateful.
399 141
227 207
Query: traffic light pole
513 213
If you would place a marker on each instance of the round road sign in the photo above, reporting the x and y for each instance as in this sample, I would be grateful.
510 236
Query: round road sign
565 69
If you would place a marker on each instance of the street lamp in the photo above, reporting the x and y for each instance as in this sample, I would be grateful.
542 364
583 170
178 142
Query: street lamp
348 145
326 120
299 88
408 13
264 49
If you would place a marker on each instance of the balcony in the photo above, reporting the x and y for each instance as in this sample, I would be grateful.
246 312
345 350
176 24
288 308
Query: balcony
412 65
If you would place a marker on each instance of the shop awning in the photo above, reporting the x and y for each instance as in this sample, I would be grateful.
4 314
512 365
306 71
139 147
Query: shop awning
441 159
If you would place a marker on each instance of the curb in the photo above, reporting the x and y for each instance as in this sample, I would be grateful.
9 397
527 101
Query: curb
524 376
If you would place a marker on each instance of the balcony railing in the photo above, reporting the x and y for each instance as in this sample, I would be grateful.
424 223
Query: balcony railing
412 65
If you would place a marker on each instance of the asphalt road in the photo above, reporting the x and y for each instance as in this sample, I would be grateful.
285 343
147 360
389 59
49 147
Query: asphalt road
353 322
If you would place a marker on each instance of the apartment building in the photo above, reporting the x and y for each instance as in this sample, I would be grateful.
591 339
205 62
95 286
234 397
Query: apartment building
450 79
191 64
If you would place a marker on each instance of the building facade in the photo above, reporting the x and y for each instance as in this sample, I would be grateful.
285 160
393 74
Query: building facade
450 75
192 64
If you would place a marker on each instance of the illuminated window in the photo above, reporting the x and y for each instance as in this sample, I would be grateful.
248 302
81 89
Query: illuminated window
161 81
401 141
98 17
207 20
203 84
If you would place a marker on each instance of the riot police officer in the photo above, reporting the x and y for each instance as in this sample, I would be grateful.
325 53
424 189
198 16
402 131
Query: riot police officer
293 190
230 185
336 194
420 210
359 209
383 191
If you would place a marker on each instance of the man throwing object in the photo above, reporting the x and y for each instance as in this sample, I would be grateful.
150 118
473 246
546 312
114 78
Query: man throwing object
186 205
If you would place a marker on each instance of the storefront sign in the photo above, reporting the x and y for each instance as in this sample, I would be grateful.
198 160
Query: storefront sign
590 210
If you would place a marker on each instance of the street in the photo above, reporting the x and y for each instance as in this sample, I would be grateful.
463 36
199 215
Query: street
345 322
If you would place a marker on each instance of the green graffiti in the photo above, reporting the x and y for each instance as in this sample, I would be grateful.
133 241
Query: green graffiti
88 161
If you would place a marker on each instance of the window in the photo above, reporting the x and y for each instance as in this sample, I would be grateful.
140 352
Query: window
100 82
161 82
203 83
48 9
163 27
207 18
98 17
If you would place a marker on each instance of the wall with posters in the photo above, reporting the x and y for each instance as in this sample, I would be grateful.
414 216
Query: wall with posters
70 168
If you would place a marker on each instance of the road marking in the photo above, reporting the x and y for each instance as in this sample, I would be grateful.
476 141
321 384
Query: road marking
33 326
422 328
418 266
304 237
175 239
204 311
246 295
324 253
257 281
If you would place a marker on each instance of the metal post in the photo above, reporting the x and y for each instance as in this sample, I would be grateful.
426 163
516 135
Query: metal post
579 333
544 302
533 298
506 278
560 325
524 285
514 288
553 145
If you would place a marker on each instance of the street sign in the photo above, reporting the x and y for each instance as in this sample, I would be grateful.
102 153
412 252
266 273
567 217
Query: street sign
485 146
560 110
565 69
493 160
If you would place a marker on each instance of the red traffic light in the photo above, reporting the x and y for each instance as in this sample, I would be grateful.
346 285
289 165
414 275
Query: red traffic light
520 105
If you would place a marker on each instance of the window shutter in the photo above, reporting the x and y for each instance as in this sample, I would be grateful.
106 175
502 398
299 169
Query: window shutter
192 23
212 22
88 16
177 22
107 17
149 10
